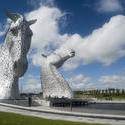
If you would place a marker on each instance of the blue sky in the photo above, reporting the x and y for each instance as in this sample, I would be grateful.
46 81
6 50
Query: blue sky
93 28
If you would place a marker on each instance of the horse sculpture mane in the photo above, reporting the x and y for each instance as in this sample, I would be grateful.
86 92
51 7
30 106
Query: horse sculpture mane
53 83
13 55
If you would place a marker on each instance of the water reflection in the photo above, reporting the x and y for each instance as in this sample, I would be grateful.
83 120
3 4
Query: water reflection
105 106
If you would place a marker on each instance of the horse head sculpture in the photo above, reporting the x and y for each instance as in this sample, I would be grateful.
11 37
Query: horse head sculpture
13 54
18 40
53 83
60 56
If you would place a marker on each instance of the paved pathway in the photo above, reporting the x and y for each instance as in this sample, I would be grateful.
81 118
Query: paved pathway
46 112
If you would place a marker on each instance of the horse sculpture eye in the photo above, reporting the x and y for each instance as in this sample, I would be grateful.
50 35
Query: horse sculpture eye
14 31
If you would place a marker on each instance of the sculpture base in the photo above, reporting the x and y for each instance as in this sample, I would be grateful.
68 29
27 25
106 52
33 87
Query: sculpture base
64 102
25 103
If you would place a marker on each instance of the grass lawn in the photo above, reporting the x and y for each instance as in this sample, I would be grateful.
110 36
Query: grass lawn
92 96
16 119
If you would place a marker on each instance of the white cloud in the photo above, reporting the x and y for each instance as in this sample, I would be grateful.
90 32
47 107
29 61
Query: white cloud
46 31
106 6
112 81
105 44
31 84
80 78
80 82
37 3
2 33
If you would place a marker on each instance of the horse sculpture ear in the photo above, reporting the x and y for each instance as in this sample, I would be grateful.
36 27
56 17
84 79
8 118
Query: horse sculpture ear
13 16
32 22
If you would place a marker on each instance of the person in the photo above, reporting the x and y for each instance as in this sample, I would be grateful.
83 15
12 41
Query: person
30 101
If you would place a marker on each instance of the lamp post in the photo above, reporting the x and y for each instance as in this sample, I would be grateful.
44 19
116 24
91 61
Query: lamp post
71 104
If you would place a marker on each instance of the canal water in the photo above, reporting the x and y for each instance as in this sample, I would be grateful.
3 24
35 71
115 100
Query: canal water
113 109
105 106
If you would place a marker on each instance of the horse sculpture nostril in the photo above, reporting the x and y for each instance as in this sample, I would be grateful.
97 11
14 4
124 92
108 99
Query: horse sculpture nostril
14 31
73 53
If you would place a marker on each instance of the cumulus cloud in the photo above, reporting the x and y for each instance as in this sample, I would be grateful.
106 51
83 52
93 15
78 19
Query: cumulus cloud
46 30
32 84
2 33
105 44
80 82
112 81
106 6
37 3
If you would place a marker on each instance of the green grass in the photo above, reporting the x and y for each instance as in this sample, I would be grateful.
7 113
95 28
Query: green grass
84 96
113 97
119 97
99 97
16 119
